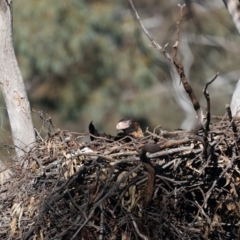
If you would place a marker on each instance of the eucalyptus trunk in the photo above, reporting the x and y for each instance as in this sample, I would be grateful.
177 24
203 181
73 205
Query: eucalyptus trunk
12 85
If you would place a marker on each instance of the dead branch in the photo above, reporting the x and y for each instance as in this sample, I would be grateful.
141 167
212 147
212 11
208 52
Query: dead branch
208 116
178 66
206 94
137 230
231 119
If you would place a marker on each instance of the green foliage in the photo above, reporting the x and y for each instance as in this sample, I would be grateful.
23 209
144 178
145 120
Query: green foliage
72 52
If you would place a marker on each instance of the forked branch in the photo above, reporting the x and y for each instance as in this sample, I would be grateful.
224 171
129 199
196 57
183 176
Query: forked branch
178 66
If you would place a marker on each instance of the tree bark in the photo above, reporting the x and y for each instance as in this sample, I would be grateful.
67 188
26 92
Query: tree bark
12 85
233 7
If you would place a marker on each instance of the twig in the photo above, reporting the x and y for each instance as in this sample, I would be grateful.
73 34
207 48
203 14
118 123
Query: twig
208 116
137 230
116 185
155 129
203 212
171 180
231 120
169 152
157 154
130 153
178 23
101 138
206 94
96 204
82 225
216 181
101 223
154 134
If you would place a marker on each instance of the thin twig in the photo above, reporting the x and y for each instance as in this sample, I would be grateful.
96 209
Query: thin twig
231 120
209 192
206 94
178 23
208 115
137 230
101 223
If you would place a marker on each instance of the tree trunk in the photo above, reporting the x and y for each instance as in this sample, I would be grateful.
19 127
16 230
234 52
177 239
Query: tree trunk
12 85
233 8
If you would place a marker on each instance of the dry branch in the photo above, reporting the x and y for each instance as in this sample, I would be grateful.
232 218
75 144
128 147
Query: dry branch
177 65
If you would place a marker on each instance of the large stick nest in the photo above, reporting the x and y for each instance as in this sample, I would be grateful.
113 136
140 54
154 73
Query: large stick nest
67 192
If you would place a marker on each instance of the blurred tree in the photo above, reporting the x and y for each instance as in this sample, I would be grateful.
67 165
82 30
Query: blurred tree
69 50
76 52
88 60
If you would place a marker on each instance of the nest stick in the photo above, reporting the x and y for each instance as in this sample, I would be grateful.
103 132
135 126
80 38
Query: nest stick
208 115
234 128
206 94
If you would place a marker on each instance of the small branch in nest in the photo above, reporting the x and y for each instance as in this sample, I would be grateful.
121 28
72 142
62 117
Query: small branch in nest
209 192
82 225
30 231
101 223
83 215
206 94
169 151
153 134
208 115
203 212
101 138
220 118
178 134
129 153
77 154
155 129
171 180
137 230
37 134
46 119
172 143
98 202
233 125
117 184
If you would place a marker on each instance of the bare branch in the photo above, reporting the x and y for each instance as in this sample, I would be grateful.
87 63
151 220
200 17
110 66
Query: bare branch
137 230
231 119
206 94
176 64
178 23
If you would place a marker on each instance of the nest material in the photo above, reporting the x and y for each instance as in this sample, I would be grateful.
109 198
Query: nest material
70 193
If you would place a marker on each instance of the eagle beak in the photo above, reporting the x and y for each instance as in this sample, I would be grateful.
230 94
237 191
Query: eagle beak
123 125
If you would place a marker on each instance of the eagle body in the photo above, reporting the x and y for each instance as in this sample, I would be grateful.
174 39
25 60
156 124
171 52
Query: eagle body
128 126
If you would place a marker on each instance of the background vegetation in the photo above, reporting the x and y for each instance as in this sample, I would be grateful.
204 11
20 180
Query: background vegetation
88 60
